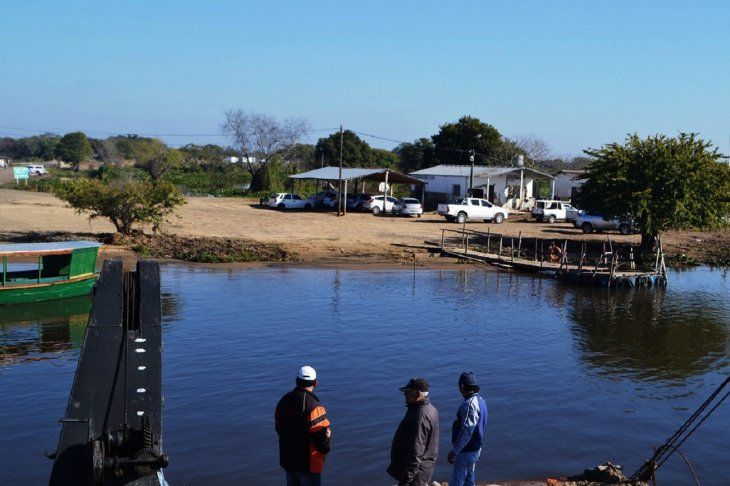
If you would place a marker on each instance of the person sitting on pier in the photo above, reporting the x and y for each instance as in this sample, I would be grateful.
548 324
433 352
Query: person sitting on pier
555 253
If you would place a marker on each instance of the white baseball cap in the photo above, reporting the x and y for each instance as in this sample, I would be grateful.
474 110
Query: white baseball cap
307 373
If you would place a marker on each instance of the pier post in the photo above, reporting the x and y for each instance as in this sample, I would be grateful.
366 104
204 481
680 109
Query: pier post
519 245
500 247
466 244
442 239
542 253
511 249
534 255
488 238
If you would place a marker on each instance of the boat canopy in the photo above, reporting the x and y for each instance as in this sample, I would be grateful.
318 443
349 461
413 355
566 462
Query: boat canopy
39 249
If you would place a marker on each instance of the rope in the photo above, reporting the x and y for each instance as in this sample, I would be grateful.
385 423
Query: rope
663 453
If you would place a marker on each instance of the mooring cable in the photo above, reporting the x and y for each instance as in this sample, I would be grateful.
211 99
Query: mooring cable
664 452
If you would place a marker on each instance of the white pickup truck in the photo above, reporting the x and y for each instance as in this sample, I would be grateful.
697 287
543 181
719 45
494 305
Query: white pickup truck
551 211
471 208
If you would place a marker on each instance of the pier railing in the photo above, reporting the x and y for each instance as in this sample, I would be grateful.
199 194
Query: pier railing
581 256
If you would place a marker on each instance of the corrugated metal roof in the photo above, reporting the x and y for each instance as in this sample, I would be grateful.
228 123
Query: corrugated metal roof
350 173
57 246
479 171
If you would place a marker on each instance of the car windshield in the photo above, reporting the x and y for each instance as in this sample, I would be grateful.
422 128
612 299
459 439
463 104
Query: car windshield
410 201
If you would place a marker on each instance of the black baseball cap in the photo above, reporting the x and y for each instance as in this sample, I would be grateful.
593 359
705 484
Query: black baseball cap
418 384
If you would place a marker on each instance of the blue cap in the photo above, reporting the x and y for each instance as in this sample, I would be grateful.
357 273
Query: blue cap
468 379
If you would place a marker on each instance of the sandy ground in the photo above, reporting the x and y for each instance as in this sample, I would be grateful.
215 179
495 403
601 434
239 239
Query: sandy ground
313 235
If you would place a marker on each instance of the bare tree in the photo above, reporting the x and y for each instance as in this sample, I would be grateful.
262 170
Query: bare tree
259 138
534 148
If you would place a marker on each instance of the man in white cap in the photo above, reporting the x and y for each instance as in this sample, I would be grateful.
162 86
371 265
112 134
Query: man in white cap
304 431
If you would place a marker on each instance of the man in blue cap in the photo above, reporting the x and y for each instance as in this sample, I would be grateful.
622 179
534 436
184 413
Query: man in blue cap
467 432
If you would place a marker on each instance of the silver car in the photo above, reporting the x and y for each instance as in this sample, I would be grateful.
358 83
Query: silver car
408 206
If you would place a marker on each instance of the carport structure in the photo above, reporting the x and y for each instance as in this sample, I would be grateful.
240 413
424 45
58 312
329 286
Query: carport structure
358 175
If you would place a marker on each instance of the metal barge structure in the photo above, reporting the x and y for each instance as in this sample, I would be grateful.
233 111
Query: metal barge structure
111 433
35 272
605 268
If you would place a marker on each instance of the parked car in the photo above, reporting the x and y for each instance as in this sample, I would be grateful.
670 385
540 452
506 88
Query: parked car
318 199
357 204
471 208
375 204
408 206
285 200
551 211
37 170
330 201
591 222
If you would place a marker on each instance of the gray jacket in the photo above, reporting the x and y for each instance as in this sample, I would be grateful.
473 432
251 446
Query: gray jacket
415 445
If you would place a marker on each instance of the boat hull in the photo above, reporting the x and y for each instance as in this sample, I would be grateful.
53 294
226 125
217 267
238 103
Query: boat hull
61 289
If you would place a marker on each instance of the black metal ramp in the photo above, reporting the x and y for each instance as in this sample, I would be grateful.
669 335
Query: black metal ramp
112 431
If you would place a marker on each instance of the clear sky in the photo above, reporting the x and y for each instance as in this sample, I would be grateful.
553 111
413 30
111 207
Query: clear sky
577 74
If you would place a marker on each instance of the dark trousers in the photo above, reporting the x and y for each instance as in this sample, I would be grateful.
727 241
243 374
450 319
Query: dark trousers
294 478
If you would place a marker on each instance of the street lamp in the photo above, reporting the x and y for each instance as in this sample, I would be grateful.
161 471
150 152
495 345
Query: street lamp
471 159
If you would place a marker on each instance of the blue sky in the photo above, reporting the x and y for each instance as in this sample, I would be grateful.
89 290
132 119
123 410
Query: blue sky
577 74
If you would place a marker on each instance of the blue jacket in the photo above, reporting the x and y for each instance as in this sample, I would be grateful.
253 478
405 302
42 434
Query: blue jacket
467 432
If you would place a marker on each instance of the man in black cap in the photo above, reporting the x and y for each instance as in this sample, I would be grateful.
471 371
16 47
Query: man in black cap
416 442
467 432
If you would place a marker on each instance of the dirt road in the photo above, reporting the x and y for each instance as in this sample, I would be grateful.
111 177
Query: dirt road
310 234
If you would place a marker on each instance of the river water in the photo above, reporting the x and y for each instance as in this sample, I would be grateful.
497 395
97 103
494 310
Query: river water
572 376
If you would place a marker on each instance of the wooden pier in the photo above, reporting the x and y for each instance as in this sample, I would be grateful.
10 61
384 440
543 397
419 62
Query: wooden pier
575 262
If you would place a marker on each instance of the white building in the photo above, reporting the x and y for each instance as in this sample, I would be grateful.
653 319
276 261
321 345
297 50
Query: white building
242 160
500 185
567 183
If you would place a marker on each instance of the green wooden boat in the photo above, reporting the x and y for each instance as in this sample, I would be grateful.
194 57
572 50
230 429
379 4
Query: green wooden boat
35 272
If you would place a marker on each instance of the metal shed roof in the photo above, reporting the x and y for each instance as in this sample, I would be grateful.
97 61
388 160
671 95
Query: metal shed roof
350 173
479 171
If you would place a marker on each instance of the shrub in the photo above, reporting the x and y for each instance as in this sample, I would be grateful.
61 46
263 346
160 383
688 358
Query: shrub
124 203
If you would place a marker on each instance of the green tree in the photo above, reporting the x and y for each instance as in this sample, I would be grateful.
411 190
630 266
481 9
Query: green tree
383 158
355 151
660 183
73 148
415 156
162 163
124 203
455 141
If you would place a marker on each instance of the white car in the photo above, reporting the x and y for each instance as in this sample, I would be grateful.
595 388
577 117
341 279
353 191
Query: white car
590 223
375 204
409 206
285 200
472 208
551 211
37 170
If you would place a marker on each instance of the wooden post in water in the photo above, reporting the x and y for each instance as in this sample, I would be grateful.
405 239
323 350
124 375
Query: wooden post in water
519 245
534 255
511 249
442 239
466 244
542 253
488 238
500 247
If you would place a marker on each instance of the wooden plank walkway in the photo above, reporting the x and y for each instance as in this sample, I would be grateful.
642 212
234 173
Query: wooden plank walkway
604 271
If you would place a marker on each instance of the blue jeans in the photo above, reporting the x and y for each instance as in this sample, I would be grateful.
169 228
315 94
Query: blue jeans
464 469
294 478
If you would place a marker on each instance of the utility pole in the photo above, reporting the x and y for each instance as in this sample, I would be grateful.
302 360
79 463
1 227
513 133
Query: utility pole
339 184
471 173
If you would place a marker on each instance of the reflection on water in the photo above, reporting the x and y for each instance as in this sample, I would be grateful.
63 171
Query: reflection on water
650 335
610 374
29 331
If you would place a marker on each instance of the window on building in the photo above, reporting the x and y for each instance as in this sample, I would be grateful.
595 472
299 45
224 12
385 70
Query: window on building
456 190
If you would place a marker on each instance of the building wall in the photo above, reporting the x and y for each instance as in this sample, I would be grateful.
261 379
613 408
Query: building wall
564 184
